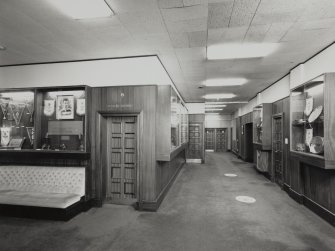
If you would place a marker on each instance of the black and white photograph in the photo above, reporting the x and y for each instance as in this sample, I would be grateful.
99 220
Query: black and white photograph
167 125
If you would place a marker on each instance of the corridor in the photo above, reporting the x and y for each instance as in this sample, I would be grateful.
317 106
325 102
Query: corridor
199 213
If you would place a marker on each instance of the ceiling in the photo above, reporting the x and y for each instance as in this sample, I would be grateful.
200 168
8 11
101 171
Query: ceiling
178 31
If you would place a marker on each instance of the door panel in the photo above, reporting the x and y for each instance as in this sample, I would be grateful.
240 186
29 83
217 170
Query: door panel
195 142
221 140
122 159
210 139
277 149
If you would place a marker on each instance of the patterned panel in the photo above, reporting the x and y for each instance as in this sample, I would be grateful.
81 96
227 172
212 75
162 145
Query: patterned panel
129 173
116 186
116 127
46 179
116 158
129 143
129 127
116 142
116 172
129 158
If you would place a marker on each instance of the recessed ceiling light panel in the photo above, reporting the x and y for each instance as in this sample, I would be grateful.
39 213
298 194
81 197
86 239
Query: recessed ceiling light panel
225 81
2 48
82 9
219 96
241 50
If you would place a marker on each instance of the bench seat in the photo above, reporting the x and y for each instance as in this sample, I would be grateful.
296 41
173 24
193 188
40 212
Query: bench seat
42 191
38 199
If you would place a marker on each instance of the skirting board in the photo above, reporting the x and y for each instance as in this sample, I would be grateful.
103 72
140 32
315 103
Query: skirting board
311 205
154 205
194 161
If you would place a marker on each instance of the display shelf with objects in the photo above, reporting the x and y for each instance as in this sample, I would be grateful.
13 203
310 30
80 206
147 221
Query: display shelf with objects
312 120
17 119
61 120
262 115
39 120
171 124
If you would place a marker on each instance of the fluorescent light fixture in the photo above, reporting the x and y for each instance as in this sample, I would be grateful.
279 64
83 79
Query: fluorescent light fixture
226 102
219 96
213 109
225 81
241 50
213 113
214 106
82 9
2 48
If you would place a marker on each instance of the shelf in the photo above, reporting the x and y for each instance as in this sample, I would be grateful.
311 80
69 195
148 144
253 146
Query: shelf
26 153
310 159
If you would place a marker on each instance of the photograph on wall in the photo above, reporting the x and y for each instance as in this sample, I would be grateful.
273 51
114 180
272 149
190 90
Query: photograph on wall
49 107
65 107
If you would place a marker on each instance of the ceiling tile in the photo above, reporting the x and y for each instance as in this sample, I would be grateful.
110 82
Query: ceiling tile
219 14
256 33
243 12
197 38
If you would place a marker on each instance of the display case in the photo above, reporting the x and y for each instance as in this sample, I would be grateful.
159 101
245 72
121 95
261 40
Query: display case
312 118
175 119
44 119
262 115
61 118
17 120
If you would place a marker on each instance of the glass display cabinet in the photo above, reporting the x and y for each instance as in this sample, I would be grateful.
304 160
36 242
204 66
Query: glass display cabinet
44 119
262 115
174 119
17 120
60 125
312 119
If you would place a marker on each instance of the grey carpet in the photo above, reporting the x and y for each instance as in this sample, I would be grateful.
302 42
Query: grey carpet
199 213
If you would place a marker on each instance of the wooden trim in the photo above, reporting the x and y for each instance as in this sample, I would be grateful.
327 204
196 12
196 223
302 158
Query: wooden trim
139 122
310 204
154 205
319 210
273 172
295 195
309 158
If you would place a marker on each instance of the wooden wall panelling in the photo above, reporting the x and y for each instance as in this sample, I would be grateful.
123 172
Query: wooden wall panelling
329 121
286 149
163 123
127 100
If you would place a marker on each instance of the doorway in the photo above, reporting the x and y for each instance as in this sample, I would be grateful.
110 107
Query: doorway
196 146
248 140
277 148
216 139
210 140
121 159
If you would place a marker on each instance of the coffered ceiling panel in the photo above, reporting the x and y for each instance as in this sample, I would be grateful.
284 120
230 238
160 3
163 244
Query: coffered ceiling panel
179 32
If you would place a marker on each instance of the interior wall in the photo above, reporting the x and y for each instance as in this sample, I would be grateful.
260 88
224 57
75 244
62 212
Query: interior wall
109 72
220 121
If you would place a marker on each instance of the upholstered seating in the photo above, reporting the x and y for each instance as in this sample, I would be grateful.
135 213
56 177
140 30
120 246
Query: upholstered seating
38 186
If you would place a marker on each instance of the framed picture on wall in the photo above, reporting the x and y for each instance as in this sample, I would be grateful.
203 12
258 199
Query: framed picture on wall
65 107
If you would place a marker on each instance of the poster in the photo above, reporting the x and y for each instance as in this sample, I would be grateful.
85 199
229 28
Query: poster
5 135
65 107
81 106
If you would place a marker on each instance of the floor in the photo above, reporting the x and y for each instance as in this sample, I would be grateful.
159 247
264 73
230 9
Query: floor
199 213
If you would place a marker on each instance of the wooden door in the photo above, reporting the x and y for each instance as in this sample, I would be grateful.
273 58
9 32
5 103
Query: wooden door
277 149
221 143
195 150
122 159
210 139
